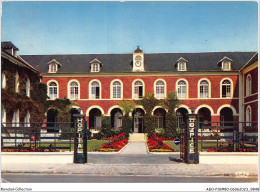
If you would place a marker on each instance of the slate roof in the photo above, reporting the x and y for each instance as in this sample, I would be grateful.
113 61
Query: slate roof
8 45
154 62
251 61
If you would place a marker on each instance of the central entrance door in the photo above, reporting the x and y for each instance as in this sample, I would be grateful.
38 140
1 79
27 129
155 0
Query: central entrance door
138 121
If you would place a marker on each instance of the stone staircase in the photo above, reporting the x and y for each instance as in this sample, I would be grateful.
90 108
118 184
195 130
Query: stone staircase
137 137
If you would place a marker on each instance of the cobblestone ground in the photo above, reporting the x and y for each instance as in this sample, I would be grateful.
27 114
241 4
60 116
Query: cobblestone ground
149 164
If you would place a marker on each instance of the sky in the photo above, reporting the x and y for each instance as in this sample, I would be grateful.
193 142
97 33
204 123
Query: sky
118 27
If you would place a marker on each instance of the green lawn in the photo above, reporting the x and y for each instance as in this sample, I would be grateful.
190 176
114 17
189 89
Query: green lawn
205 144
91 144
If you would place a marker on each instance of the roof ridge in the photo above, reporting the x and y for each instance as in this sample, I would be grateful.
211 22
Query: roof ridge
145 53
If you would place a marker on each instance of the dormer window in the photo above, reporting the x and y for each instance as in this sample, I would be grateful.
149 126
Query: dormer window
225 63
54 66
95 65
182 64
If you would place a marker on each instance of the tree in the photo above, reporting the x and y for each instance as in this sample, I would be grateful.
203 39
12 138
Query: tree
171 103
127 107
149 102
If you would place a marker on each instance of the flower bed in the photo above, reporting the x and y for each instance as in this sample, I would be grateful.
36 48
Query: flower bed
115 144
30 150
156 144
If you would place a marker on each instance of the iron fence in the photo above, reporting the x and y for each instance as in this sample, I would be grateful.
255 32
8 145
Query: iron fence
36 136
228 136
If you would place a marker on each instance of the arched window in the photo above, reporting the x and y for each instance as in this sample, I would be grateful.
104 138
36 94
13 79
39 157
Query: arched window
160 89
204 89
138 89
95 90
3 81
248 116
226 89
16 83
27 119
15 119
74 90
182 89
248 85
117 90
28 87
53 91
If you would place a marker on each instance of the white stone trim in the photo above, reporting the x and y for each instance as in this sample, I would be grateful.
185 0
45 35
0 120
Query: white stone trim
187 87
185 107
231 88
133 88
114 107
111 89
198 88
95 106
206 106
68 89
89 89
229 106
48 84
165 87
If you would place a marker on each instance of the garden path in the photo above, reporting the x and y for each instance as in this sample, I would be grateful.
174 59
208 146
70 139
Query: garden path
135 148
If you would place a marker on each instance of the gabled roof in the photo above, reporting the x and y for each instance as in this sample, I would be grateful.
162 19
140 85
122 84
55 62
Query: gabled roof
154 62
54 61
8 45
251 61
95 61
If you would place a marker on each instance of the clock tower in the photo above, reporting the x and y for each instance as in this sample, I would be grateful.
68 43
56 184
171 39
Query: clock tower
138 60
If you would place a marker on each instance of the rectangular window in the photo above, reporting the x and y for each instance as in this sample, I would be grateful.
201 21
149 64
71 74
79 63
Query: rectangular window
140 94
53 93
158 122
226 91
204 92
95 93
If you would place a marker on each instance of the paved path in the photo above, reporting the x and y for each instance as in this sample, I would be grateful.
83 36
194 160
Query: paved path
135 148
171 169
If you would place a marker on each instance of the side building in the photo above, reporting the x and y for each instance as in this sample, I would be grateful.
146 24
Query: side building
210 82
20 83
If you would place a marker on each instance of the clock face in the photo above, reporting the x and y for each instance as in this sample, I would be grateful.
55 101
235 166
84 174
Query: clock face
138 63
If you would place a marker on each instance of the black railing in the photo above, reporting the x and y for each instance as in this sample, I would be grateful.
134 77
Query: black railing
35 136
228 136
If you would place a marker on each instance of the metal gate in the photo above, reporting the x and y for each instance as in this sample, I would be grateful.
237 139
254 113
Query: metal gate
189 140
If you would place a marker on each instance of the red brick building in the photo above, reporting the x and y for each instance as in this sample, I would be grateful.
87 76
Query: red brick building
215 83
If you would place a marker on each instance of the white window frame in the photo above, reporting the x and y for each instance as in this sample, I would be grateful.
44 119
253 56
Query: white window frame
53 97
160 90
3 116
182 66
180 89
93 90
248 115
69 90
17 82
135 91
95 67
226 65
3 80
53 68
27 119
248 85
16 118
28 87
200 96
231 87
115 89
